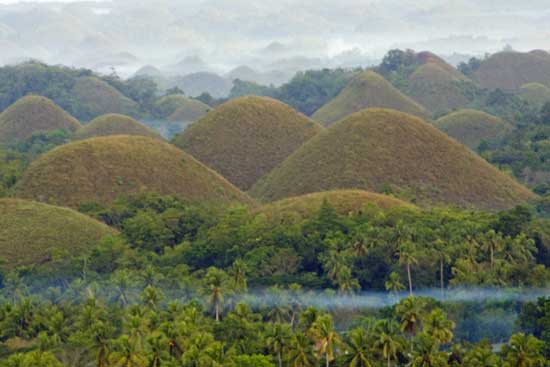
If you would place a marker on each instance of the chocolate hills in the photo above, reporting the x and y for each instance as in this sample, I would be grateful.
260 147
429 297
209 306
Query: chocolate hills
29 231
179 108
471 127
101 169
367 90
114 124
100 98
247 137
510 70
34 114
343 201
380 150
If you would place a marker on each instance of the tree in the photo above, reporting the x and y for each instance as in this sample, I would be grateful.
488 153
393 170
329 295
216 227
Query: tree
238 271
277 341
301 352
410 311
441 253
393 284
386 341
216 280
426 352
492 242
357 350
438 326
126 354
523 351
407 257
328 339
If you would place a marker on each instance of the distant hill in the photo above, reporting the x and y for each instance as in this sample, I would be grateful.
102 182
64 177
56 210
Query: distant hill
177 107
114 124
203 82
102 169
34 114
367 90
536 94
30 231
471 127
510 70
385 150
343 201
245 138
100 98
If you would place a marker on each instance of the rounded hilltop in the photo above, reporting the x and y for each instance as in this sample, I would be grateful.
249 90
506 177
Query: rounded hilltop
114 124
102 169
380 150
247 137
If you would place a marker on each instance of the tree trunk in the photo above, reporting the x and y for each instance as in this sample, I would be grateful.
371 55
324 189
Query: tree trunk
280 359
492 256
441 280
410 279
389 360
327 360
217 312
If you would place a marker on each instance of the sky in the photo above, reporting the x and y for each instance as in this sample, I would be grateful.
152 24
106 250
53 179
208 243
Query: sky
266 35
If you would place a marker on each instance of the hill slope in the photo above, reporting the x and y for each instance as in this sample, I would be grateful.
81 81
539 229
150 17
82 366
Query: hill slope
101 169
33 114
379 149
536 94
511 70
30 230
471 127
114 124
367 90
343 201
247 137
100 98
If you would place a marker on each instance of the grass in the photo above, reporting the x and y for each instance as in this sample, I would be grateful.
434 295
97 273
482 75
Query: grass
436 88
367 90
384 150
343 201
100 98
510 70
102 169
29 231
536 94
471 127
177 107
114 124
33 114
247 137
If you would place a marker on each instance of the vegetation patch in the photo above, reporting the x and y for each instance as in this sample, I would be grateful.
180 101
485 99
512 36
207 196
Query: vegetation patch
114 124
536 94
33 114
367 90
246 138
389 151
101 169
31 232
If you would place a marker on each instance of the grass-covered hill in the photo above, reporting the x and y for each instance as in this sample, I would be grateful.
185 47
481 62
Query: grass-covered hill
436 88
100 98
536 94
114 124
471 127
247 137
29 231
101 169
511 70
177 107
367 90
33 114
343 201
385 150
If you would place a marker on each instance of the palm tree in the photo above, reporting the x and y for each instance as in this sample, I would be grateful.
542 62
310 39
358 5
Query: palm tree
215 281
238 270
126 354
438 326
481 355
327 338
441 253
277 340
393 284
407 257
157 349
410 312
492 242
426 353
301 352
386 340
357 351
152 297
346 283
523 351
295 291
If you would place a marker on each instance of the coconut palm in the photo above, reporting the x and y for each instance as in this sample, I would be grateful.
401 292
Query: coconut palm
326 336
238 272
524 351
438 326
408 257
126 354
277 340
216 280
492 242
426 353
441 253
301 352
393 284
357 350
410 312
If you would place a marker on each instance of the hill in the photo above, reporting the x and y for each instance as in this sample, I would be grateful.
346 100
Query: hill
380 150
114 124
29 231
203 82
101 169
536 94
343 201
34 114
100 98
177 107
510 70
367 90
471 127
247 137
437 88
